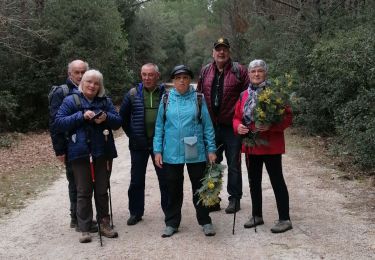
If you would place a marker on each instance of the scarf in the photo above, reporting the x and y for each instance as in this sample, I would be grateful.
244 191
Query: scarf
250 103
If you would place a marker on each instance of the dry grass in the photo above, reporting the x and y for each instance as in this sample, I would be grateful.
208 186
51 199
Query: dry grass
26 167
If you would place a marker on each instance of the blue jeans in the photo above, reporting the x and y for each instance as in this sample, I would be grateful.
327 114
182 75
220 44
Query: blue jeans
136 192
228 142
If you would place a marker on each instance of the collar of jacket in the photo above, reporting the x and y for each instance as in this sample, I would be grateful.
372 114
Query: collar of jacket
71 84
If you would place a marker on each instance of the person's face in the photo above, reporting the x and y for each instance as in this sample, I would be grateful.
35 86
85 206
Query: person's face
90 87
221 54
257 75
77 70
181 82
149 76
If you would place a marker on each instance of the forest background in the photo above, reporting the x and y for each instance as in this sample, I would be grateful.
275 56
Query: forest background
321 53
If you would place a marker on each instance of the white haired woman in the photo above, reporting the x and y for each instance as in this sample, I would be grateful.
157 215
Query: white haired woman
84 117
268 153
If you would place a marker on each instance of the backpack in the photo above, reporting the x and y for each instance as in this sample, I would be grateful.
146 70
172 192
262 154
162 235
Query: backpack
133 93
65 90
199 106
235 69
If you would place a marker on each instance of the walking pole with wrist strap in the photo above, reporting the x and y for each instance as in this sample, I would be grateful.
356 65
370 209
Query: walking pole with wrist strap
106 133
93 182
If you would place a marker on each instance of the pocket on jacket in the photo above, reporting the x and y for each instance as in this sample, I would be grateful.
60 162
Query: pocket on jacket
191 147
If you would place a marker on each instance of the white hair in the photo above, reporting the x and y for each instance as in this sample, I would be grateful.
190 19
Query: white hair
97 74
72 63
258 63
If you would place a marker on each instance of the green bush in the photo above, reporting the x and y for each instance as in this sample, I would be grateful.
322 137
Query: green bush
8 106
340 66
356 128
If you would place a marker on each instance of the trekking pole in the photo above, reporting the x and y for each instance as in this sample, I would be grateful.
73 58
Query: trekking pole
106 133
93 181
234 215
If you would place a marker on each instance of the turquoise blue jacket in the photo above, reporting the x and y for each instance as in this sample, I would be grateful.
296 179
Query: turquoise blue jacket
181 121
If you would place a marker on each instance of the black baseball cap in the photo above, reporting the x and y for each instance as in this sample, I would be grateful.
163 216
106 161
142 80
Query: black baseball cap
222 41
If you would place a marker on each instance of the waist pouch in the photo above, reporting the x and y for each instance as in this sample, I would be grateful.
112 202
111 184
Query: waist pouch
191 147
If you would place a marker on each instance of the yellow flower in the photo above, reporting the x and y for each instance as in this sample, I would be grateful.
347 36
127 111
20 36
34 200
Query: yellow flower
278 101
211 185
261 98
261 114
276 81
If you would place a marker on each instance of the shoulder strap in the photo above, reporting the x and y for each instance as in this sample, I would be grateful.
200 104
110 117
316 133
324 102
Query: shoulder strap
77 100
236 70
65 89
199 106
133 92
203 74
165 103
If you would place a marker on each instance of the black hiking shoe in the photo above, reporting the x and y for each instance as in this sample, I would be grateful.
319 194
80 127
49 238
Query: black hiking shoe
133 220
73 223
233 206
254 221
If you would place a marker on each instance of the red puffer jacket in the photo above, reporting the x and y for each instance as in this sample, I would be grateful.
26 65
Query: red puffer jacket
232 89
274 136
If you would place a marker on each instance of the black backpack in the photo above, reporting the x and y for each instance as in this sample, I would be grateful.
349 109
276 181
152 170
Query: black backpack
65 90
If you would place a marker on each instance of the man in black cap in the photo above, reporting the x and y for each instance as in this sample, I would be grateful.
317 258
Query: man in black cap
221 82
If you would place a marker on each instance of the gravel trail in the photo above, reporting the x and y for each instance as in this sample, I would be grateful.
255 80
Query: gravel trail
332 219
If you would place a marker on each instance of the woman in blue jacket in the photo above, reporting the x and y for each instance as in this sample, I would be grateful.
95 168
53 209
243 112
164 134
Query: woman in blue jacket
184 135
88 117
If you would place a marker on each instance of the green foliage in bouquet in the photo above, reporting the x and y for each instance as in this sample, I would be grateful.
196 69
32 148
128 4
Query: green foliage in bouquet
270 109
212 184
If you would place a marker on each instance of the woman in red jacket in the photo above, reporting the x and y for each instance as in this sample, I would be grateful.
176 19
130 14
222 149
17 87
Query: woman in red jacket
268 153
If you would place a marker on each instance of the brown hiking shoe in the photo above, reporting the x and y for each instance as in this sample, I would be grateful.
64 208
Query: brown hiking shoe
85 237
106 230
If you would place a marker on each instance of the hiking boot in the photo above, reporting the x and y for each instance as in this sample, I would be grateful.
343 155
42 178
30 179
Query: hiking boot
169 231
209 230
73 223
282 226
133 220
93 227
233 206
85 237
106 230
254 221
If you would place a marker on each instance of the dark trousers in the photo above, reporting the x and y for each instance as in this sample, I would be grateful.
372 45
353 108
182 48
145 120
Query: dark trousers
175 179
228 142
72 189
254 164
136 192
85 188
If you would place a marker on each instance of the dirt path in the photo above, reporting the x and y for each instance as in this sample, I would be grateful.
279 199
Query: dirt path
332 219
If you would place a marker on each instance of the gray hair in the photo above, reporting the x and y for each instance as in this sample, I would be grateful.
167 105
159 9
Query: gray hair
72 63
97 74
258 63
156 68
